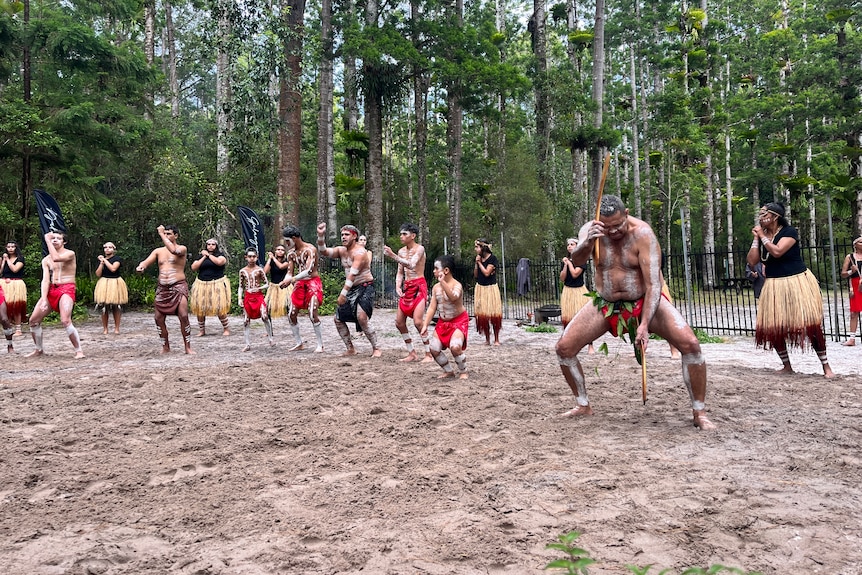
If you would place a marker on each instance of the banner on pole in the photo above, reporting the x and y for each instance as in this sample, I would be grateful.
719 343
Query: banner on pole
252 232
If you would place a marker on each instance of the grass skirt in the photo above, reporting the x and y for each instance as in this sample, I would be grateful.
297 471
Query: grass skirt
110 291
15 292
210 297
278 300
789 310
488 308
571 302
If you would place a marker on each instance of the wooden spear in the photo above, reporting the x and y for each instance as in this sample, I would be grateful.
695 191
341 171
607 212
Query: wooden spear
643 372
599 199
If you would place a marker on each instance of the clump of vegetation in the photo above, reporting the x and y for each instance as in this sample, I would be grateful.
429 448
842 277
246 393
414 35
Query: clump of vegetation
541 328
577 559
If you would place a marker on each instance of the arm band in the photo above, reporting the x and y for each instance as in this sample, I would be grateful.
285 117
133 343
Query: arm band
348 284
354 271
754 244
343 292
766 241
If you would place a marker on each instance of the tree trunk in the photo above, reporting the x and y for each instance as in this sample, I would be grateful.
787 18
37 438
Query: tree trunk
290 118
454 127
598 94
149 47
325 140
172 63
374 127
543 106
420 111
636 167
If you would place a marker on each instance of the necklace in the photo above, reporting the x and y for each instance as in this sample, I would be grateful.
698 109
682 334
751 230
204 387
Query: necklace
764 253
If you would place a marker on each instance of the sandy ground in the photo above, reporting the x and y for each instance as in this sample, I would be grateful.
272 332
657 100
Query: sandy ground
226 462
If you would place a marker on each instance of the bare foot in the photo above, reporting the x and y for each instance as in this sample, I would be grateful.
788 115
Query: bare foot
79 355
105 331
116 332
827 371
785 369
591 350
226 332
578 411
850 342
271 342
166 349
702 421
190 351
202 333
34 353
410 357
247 348
463 375
17 333
318 349
376 353
428 358
446 375
297 347
349 352
497 342
10 349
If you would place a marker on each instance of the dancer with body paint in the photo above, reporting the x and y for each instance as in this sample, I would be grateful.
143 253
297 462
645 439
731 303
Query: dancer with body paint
111 292
58 292
453 323
172 289
252 284
307 286
790 307
14 288
356 300
411 287
628 284
8 330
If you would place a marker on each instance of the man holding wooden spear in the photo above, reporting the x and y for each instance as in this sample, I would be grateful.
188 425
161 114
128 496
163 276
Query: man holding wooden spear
628 300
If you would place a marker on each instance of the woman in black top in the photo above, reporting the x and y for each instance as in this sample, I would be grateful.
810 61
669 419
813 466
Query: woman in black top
790 305
211 290
14 288
487 304
111 293
574 295
277 298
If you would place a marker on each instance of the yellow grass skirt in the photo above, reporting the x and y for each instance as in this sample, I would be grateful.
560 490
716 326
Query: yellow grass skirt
15 292
789 310
110 291
210 297
278 299
488 308
571 302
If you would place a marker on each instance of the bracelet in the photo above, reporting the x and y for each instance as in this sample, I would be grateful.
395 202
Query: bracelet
766 241
754 244
343 292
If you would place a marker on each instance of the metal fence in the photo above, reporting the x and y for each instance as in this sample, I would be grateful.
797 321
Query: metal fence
723 306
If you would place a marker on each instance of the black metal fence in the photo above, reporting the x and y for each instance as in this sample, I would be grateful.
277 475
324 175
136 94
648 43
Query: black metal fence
720 302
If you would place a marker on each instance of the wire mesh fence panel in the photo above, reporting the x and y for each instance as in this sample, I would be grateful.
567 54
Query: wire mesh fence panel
714 296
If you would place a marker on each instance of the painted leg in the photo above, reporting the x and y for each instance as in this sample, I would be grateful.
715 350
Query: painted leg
344 333
694 376
318 333
574 376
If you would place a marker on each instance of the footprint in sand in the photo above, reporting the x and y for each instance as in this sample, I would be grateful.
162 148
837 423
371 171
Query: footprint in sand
184 472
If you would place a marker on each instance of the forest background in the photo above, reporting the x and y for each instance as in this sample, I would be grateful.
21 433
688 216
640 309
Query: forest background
475 119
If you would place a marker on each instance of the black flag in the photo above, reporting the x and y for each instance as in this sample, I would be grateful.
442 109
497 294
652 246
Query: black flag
50 216
252 231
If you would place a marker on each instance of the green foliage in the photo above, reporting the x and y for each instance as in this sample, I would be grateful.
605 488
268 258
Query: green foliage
541 328
577 560
333 281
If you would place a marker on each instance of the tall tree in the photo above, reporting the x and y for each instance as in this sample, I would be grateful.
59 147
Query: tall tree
290 116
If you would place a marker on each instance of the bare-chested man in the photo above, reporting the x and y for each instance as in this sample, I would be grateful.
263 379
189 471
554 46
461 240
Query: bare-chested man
412 296
628 279
58 292
453 323
307 285
356 300
172 289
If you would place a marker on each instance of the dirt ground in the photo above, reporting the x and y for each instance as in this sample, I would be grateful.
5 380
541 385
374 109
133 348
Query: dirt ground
225 462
